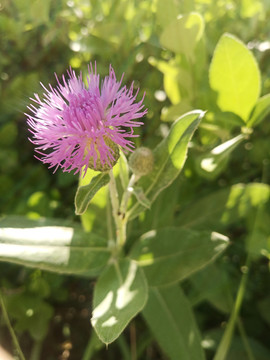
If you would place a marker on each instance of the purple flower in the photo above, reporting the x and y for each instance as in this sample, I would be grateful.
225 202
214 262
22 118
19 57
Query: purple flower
75 126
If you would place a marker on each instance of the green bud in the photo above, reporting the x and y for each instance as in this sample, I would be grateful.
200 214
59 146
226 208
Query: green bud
110 163
141 161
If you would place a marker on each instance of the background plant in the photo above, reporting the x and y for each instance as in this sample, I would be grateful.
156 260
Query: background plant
180 63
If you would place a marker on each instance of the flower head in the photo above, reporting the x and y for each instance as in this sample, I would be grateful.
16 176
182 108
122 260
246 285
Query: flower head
76 126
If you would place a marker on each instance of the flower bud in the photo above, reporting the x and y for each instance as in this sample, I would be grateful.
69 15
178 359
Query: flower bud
141 161
110 162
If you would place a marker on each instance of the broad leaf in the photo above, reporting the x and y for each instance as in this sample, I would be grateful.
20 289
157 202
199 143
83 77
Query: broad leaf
172 254
182 34
235 76
260 111
210 165
85 193
169 158
214 285
166 11
120 293
44 245
171 320
171 80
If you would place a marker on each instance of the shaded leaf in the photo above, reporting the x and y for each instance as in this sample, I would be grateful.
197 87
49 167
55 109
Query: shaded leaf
172 254
140 196
171 320
260 111
224 207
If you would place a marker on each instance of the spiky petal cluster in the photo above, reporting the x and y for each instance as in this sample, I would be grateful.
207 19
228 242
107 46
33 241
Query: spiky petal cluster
77 124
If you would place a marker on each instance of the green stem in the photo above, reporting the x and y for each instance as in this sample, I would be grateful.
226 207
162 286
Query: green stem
225 343
245 340
12 333
36 350
120 223
109 219
127 194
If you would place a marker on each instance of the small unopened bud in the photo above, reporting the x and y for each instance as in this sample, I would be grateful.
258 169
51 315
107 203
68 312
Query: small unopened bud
141 161
110 162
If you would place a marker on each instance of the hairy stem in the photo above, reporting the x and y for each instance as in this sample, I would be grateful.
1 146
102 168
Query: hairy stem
120 223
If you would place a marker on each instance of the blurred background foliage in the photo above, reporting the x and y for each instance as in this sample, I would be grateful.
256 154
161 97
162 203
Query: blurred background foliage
169 60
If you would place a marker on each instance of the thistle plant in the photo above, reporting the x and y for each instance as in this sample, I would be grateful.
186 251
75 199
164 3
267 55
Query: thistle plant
87 128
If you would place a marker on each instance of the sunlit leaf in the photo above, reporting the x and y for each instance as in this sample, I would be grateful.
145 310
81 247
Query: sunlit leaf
169 158
235 76
167 11
85 193
48 245
182 34
211 164
120 293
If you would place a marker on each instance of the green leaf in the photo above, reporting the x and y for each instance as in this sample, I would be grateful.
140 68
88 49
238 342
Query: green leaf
85 193
171 81
182 34
140 196
214 285
224 207
172 254
235 76
211 164
171 320
45 245
169 158
123 170
31 313
166 11
260 111
120 293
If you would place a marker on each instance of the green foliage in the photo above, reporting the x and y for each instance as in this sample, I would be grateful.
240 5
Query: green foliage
86 193
169 158
173 254
210 177
120 293
235 76
45 245
173 310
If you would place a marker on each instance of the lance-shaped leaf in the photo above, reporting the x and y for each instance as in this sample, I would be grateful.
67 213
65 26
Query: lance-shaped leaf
140 196
235 76
120 293
169 316
211 164
85 193
169 158
172 254
45 245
